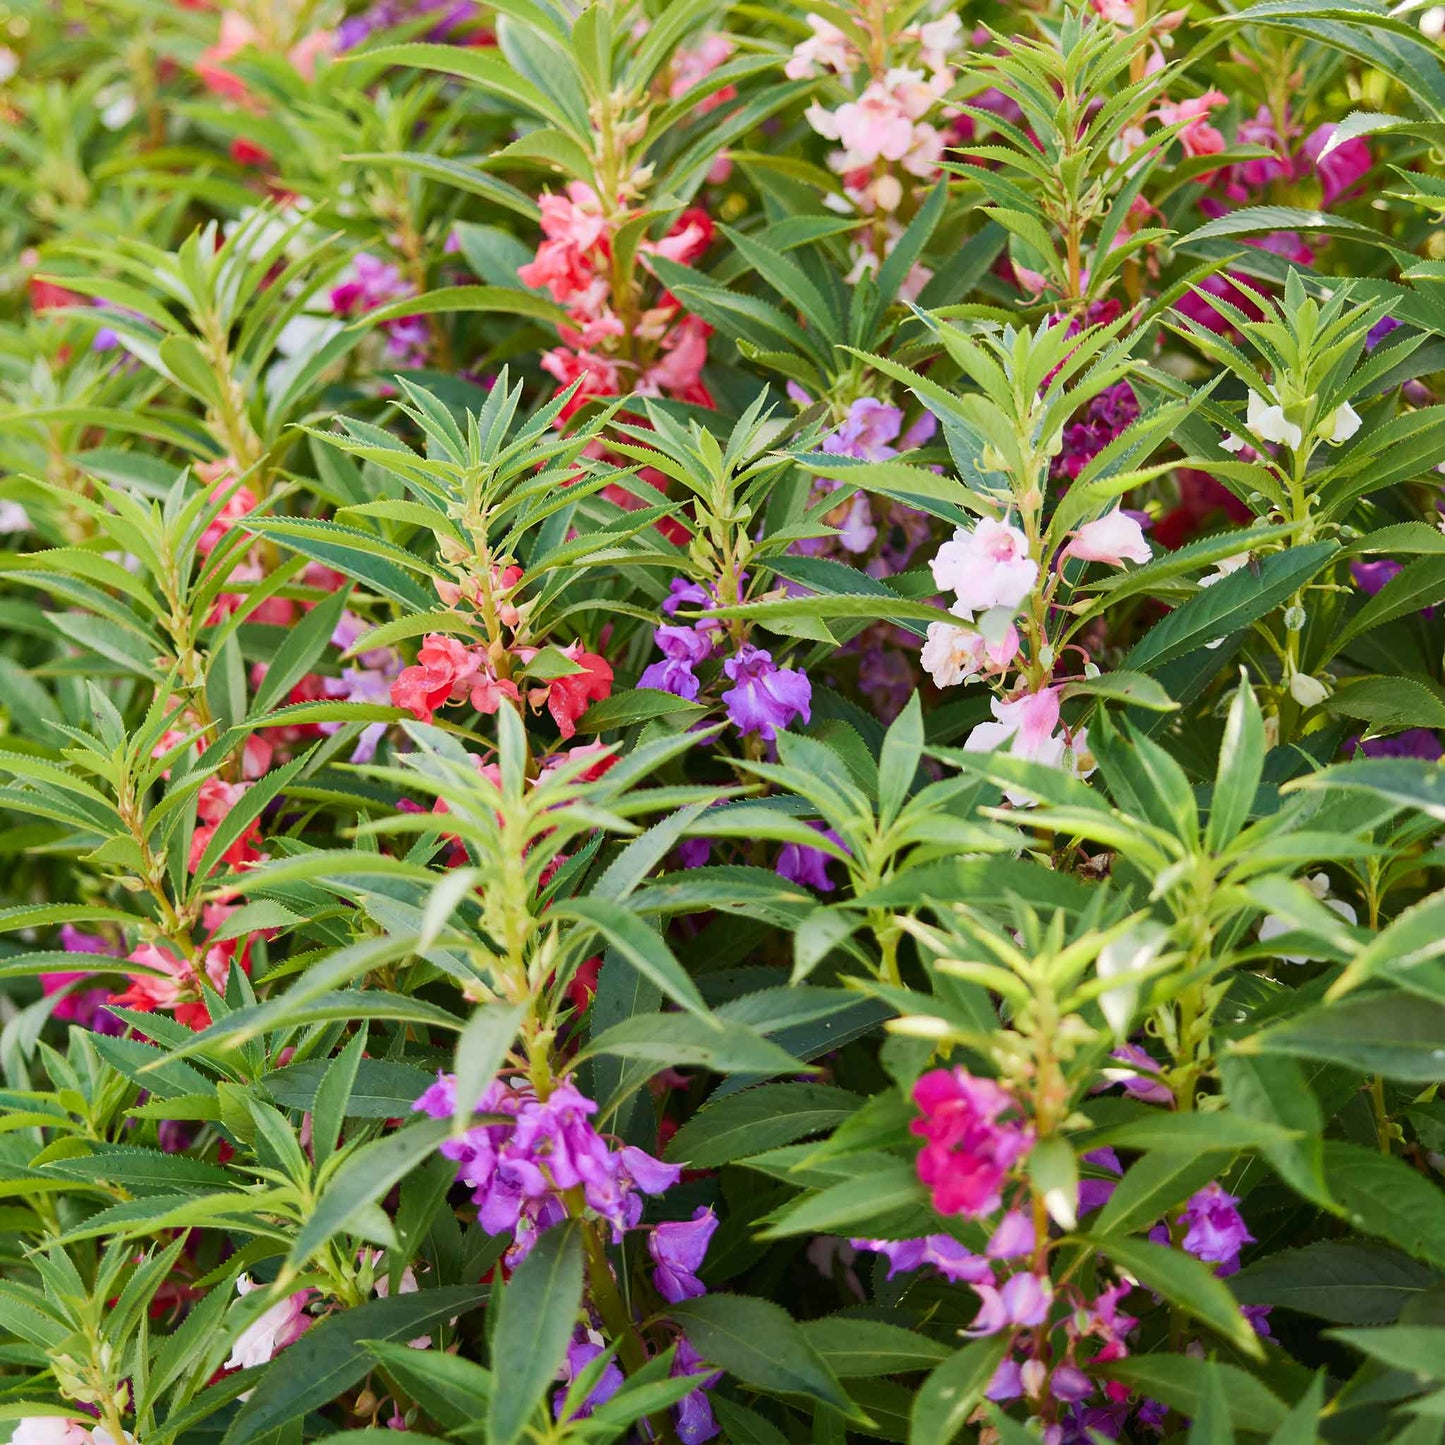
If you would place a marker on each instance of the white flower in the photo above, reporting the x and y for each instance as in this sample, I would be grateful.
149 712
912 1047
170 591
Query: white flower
1340 425
1125 958
987 566
1232 443
1273 926
1268 422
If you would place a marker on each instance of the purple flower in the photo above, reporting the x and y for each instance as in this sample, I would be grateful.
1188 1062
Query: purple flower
1258 1317
678 1249
1103 419
941 1251
1216 1229
1095 1193
765 697
1070 1384
1370 577
1412 743
807 866
580 1353
682 648
1007 1382
1140 1077
693 1415
1379 331
519 1167
694 852
1024 1300
1013 1238
866 431
364 684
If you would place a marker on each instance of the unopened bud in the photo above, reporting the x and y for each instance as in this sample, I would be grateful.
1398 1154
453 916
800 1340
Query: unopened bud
1307 691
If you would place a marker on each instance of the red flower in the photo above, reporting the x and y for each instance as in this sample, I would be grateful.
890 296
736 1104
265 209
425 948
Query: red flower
567 697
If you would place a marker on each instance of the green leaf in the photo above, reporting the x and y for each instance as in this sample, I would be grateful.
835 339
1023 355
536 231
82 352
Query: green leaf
535 1318
507 300
381 1089
1185 1282
1388 704
332 1356
1180 1381
953 1391
364 1177
640 704
1211 1424
1406 782
759 1342
1219 1130
299 652
859 1348
683 1041
1233 603
1241 765
1274 1091
1382 1196
1397 1034
333 1097
758 1119
640 946
1339 1280
843 1208
453 1391
1261 220
482 1049
1132 688
1154 1185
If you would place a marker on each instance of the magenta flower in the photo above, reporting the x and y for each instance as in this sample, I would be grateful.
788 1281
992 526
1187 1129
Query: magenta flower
1216 1229
1370 577
678 1249
765 697
970 1148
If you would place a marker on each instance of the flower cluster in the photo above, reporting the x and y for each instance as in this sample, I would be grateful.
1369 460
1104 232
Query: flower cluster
521 1169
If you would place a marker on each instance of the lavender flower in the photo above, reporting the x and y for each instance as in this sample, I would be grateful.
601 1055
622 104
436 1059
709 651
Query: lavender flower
678 1249
765 697
1412 743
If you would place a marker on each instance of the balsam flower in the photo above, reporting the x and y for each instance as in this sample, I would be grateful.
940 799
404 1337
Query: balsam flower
971 1142
764 697
282 1324
986 566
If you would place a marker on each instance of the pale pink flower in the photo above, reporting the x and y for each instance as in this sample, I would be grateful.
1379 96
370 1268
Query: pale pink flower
49 1430
827 47
1114 538
953 654
308 50
876 126
281 1325
692 67
938 39
988 566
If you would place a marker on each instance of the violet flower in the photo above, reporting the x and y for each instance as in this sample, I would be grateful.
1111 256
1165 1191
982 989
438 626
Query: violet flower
765 697
678 1248
520 1168
939 1251
1216 1229
807 866
585 1347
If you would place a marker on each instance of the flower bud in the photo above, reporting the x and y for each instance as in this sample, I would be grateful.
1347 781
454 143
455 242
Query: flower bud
1307 691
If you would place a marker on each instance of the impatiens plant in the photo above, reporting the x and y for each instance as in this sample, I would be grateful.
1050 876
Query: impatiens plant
721 722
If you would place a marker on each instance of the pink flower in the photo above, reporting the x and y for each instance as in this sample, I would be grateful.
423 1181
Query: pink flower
827 47
1114 538
1198 137
281 1325
874 127
969 1151
1023 1302
988 566
171 983
953 654
308 50
567 697
692 67
1340 171
443 673
679 372
49 1430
